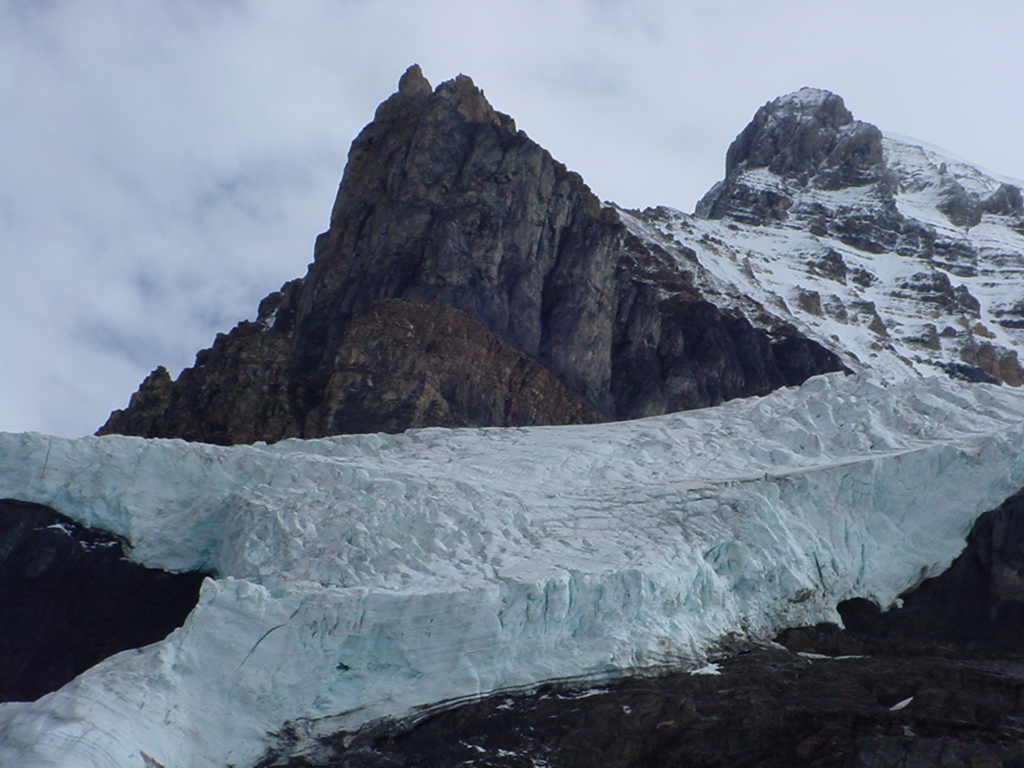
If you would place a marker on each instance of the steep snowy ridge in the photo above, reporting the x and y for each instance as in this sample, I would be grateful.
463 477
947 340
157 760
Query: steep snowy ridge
364 576
916 273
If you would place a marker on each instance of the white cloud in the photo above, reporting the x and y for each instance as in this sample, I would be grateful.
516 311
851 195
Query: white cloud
164 165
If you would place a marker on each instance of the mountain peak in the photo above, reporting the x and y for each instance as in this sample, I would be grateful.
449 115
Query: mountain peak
811 100
415 93
467 279
471 103
806 134
412 83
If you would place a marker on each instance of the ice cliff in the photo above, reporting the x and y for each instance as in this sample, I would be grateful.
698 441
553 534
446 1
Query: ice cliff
365 576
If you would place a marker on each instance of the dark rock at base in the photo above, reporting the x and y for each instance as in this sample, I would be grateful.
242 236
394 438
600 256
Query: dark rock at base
767 708
69 599
976 605
408 364
400 365
678 353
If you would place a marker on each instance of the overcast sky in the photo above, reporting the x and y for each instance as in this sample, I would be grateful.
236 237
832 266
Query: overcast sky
164 164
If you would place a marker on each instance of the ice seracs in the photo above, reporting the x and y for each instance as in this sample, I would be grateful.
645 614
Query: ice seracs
364 576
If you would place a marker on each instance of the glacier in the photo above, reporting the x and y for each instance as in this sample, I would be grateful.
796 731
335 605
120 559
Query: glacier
367 576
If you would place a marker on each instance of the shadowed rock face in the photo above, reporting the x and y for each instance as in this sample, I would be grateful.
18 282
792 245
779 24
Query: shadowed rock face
69 598
405 364
442 200
523 301
977 602
766 708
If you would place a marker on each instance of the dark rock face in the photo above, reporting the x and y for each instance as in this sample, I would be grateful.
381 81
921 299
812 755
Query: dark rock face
400 365
808 137
521 299
237 392
442 200
1005 201
978 600
959 206
812 136
934 287
406 364
674 350
769 708
69 598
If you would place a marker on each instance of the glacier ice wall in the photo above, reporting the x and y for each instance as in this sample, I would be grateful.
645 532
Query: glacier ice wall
363 576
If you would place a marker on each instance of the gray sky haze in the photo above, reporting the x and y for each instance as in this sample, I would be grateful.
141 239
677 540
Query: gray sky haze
165 164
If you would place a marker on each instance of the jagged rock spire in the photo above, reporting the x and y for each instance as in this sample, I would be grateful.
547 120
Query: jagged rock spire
467 279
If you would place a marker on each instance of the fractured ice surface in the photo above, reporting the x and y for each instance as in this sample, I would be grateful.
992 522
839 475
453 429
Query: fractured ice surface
362 576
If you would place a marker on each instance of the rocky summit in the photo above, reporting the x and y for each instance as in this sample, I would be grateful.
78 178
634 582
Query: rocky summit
906 259
469 279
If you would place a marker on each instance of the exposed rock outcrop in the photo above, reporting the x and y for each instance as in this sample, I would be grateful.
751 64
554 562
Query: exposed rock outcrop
69 598
443 201
810 135
467 279
404 364
804 142
764 708
978 601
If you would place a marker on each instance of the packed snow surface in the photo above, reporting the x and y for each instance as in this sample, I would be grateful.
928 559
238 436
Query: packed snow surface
364 576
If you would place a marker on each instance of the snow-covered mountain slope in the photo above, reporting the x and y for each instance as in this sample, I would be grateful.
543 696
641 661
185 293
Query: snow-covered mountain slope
900 258
363 576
